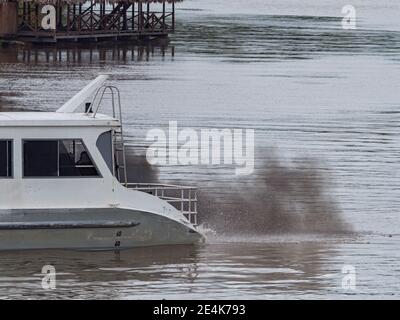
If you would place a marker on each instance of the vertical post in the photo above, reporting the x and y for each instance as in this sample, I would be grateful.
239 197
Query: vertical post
133 16
140 16
59 15
182 197
173 15
36 17
74 16
190 205
80 18
101 12
147 25
29 14
91 16
125 17
68 18
148 16
24 14
163 16
148 13
8 18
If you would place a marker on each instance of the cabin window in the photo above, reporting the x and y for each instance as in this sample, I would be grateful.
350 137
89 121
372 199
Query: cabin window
6 158
104 144
57 158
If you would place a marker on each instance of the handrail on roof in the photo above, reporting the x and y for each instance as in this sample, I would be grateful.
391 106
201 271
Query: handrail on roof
77 100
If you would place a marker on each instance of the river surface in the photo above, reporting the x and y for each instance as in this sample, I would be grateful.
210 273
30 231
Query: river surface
325 194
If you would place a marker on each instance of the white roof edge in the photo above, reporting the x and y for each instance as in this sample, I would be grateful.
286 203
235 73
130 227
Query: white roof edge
45 119
45 124
72 104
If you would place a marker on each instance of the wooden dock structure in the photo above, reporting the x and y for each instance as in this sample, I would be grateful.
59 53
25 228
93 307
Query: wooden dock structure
54 21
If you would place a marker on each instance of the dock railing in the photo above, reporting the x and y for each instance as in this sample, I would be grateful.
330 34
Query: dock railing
183 198
80 20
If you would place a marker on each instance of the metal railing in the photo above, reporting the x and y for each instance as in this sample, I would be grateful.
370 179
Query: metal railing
119 156
182 198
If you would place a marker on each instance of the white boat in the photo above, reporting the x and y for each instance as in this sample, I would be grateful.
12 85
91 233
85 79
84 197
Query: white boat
63 183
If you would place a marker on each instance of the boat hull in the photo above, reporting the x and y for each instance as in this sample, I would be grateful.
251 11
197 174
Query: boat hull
95 229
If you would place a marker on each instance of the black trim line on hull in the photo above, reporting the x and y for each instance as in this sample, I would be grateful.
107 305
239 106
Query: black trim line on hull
66 225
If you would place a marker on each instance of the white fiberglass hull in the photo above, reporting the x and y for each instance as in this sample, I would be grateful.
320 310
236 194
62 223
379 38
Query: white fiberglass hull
101 228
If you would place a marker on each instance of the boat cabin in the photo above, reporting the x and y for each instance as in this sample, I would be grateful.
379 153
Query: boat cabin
37 149
56 145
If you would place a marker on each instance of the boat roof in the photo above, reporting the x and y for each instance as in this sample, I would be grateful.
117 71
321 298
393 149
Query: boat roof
55 119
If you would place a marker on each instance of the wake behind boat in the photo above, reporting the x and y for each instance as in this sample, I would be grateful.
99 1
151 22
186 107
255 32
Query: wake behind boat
63 183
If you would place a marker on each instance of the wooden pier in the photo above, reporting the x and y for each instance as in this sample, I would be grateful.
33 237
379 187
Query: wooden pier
53 21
